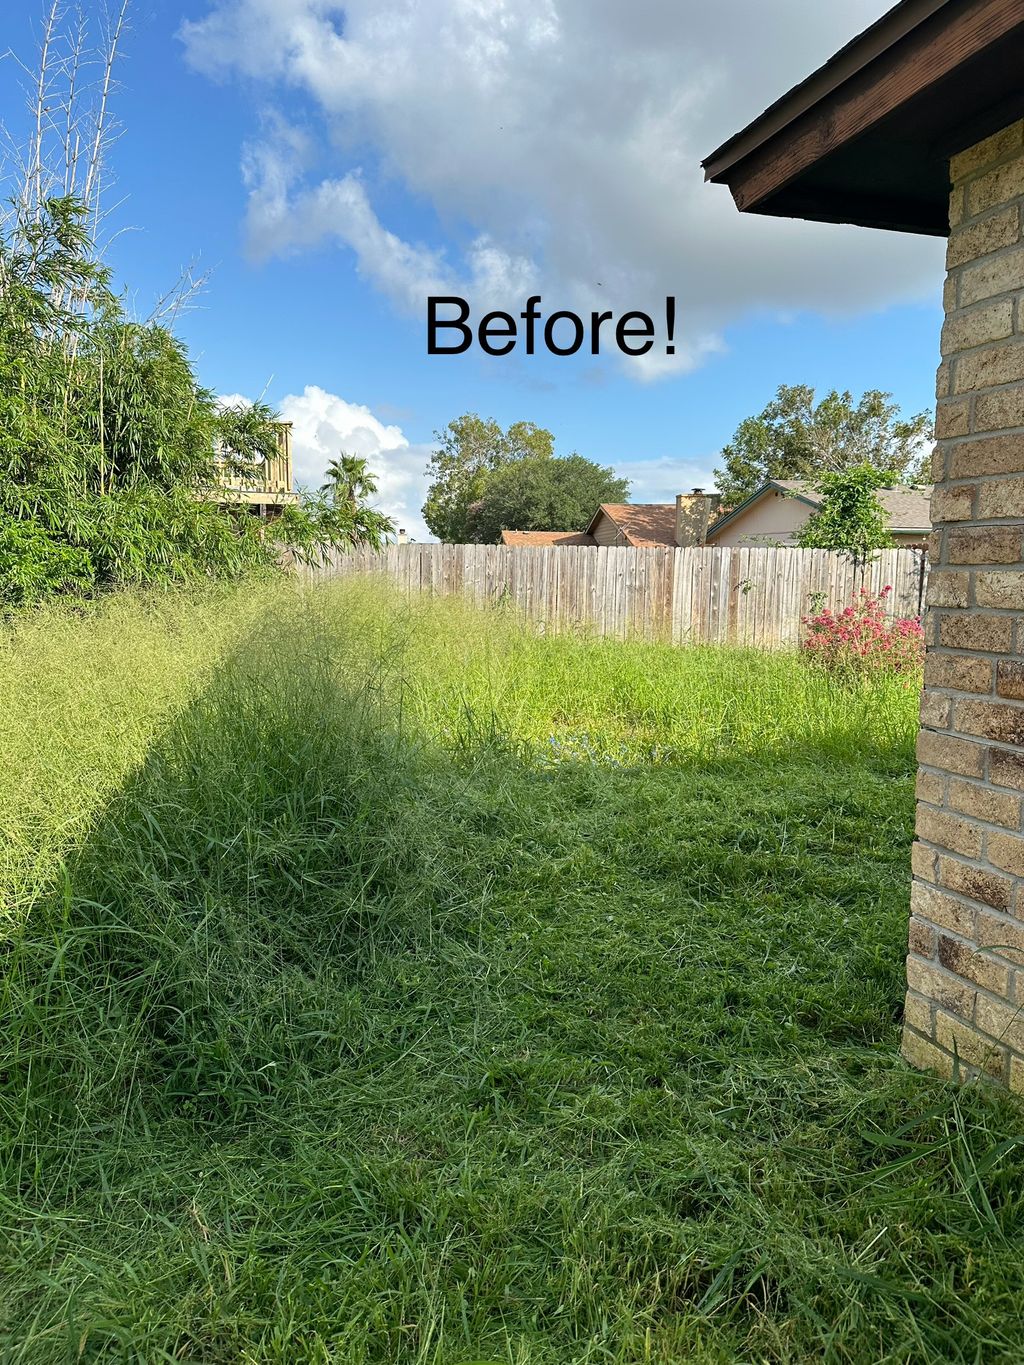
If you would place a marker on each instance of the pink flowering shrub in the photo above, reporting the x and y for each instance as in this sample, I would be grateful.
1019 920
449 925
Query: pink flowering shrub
861 640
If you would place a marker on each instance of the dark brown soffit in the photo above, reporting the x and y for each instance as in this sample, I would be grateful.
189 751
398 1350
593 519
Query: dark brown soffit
867 138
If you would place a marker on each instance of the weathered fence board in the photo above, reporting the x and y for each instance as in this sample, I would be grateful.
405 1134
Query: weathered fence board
738 595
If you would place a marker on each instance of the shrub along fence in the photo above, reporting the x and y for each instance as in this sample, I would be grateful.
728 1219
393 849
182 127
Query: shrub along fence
723 595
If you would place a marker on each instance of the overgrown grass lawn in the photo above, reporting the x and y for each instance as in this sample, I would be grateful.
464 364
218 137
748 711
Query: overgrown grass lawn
389 984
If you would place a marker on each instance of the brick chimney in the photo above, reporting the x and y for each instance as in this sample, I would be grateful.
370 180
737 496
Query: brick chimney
694 513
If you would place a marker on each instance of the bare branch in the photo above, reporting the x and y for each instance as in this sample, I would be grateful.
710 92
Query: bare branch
180 297
33 194
92 187
72 138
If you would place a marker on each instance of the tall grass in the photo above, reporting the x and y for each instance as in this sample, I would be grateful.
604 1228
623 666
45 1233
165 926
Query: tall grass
83 691
395 985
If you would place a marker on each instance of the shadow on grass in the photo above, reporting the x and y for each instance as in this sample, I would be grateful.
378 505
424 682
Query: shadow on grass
340 1048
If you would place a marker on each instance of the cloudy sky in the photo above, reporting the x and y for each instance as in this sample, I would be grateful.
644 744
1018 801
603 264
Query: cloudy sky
332 164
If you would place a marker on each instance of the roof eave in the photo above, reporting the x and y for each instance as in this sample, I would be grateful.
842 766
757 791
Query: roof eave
849 60
867 138
593 520
740 507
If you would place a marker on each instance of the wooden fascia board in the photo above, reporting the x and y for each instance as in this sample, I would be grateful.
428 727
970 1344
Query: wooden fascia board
853 58
924 56
736 511
770 487
601 512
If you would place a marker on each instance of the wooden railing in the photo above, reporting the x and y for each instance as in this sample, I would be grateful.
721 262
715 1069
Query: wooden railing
270 480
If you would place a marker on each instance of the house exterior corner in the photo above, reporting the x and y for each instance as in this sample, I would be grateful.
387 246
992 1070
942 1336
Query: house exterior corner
965 987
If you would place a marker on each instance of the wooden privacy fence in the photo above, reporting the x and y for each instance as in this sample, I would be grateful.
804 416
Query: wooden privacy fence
721 595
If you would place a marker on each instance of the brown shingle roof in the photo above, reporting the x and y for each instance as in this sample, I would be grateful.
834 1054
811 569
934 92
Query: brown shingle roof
906 505
538 538
642 523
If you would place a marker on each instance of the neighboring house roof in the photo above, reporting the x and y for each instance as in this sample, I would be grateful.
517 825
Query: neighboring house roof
640 523
540 538
906 506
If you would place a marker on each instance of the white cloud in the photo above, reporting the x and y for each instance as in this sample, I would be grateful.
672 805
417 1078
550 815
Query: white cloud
558 142
285 216
661 478
323 425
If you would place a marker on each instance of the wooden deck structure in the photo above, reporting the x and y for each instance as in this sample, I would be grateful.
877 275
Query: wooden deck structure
271 485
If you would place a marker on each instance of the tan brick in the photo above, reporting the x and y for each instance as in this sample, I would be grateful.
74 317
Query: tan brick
964 960
937 464
960 672
952 418
987 152
999 229
995 454
936 710
993 411
984 545
971 798
1006 768
949 291
993 634
921 939
978 883
930 787
1010 679
945 912
946 990
991 720
1000 498
977 326
943 380
934 547
1007 852
1003 1022
953 503
968 1046
939 827
917 1012
948 588
919 1052
955 755
1016 1082
1000 589
997 186
999 935
991 276
923 861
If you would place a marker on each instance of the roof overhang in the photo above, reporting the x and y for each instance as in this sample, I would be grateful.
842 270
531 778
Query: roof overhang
741 507
867 138
602 511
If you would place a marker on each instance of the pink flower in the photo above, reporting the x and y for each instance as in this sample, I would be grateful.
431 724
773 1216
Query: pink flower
861 638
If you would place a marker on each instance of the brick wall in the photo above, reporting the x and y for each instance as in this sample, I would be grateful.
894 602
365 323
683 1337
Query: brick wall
965 969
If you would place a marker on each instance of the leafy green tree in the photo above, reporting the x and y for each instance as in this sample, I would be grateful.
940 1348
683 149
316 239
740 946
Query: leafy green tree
111 451
320 523
539 493
850 517
349 480
470 449
797 438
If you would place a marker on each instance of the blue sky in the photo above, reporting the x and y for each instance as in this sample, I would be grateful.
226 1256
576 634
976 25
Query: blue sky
330 164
